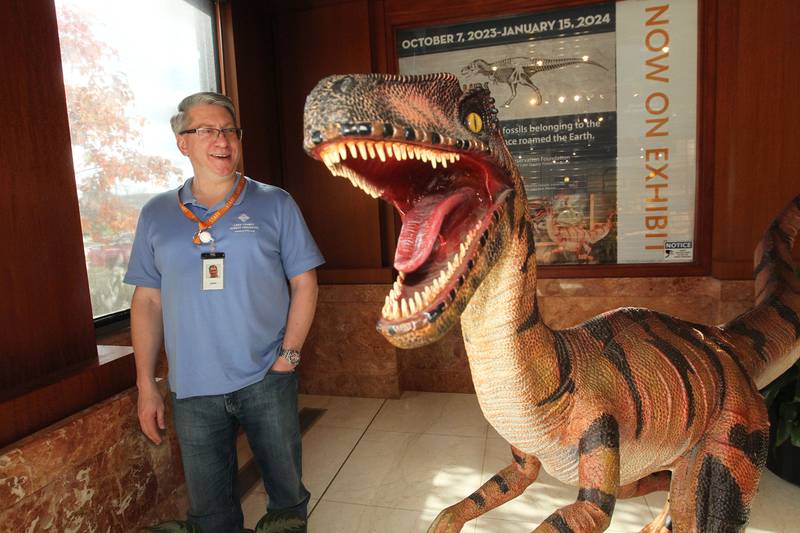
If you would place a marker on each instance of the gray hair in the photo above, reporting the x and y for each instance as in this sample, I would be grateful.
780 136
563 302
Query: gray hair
178 120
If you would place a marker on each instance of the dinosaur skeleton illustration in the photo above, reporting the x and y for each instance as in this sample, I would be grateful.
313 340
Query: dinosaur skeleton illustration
516 71
574 238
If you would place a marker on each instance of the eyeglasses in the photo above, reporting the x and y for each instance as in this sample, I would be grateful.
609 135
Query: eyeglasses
213 133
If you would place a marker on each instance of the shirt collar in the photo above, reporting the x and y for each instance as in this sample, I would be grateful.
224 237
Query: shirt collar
187 196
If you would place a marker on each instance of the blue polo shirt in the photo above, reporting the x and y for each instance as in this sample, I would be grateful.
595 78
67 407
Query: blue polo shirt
219 341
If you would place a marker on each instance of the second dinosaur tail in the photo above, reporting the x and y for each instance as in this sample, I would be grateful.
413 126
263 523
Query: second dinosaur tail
767 337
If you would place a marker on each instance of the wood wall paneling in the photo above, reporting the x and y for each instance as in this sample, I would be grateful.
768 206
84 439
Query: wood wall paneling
49 366
331 38
46 310
757 160
252 40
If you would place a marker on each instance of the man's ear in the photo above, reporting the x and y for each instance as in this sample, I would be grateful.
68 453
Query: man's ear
181 142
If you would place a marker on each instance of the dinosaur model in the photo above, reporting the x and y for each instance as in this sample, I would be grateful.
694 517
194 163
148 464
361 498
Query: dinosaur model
575 238
515 71
629 402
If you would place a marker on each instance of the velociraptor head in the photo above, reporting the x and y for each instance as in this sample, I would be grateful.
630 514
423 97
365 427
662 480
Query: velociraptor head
437 154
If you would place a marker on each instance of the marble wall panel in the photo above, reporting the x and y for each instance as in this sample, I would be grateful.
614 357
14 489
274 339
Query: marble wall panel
347 356
93 471
344 355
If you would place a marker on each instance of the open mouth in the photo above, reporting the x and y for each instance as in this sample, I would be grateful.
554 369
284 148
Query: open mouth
448 201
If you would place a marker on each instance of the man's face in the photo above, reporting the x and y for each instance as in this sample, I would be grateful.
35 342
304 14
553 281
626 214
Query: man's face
211 158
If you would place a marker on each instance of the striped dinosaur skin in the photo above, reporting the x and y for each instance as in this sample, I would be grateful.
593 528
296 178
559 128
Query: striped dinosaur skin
629 402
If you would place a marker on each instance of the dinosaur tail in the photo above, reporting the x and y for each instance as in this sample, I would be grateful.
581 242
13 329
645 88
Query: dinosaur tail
550 64
767 337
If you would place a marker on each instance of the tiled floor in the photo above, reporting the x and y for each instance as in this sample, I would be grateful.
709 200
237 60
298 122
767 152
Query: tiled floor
389 466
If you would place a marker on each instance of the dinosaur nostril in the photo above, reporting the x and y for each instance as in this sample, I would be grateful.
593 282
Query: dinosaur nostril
344 85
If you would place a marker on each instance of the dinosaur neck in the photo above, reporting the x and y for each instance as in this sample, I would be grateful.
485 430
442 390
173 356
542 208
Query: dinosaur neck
507 343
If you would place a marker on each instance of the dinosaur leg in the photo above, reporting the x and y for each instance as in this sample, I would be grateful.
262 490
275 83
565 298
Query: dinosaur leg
526 80
715 484
652 483
598 474
513 86
504 486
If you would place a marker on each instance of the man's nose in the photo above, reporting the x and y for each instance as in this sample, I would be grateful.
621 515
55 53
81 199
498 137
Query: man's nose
222 140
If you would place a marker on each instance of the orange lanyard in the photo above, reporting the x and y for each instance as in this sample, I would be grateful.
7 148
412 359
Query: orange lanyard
203 225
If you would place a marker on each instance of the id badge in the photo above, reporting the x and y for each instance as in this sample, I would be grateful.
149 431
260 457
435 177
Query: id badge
213 271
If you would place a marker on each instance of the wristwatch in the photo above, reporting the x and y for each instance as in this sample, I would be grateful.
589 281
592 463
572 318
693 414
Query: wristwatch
293 356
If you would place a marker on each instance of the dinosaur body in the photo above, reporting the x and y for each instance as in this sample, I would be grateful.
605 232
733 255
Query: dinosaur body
516 71
626 403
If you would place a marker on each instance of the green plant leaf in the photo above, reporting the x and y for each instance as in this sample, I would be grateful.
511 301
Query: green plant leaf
775 388
796 435
787 414
281 522
175 526
797 390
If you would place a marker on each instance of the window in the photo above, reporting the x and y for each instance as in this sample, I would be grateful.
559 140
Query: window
126 66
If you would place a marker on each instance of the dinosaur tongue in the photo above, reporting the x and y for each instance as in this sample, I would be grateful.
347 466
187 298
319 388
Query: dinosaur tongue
421 227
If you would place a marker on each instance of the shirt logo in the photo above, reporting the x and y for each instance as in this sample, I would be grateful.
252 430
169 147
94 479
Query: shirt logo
243 217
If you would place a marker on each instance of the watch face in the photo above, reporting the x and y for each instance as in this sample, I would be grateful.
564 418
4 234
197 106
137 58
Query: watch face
293 356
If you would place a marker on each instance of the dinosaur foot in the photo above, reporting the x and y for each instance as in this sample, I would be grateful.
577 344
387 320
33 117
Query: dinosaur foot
446 522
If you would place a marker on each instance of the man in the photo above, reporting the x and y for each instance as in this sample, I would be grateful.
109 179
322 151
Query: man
232 339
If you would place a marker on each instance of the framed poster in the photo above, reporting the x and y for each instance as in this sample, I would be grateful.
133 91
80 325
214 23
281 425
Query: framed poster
598 105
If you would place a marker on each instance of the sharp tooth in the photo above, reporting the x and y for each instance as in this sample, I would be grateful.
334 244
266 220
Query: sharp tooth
362 149
463 248
423 154
403 152
404 307
390 150
418 300
435 285
432 160
443 160
343 151
458 157
453 158
412 305
395 309
401 276
411 152
381 153
334 156
352 146
327 160
371 150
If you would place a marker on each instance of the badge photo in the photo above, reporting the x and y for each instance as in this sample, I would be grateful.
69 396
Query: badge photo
213 271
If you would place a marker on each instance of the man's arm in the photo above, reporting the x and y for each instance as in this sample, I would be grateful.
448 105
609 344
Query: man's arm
147 333
301 314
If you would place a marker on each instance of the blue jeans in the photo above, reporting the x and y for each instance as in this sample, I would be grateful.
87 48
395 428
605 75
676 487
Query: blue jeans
207 427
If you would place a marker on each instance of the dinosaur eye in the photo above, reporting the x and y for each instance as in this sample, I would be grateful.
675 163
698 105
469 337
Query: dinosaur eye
474 122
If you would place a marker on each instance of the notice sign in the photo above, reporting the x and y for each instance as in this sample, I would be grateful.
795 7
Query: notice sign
573 88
